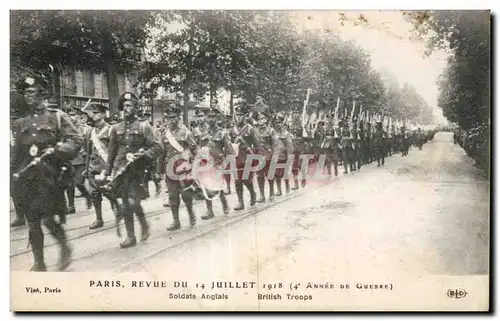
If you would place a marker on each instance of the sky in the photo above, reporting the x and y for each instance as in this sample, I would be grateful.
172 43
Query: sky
386 36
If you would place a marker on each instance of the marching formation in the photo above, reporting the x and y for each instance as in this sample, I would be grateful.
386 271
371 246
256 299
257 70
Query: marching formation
54 152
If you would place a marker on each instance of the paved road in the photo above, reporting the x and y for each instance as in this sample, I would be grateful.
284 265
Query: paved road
423 214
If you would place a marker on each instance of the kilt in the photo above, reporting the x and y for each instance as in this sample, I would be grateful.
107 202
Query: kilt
78 178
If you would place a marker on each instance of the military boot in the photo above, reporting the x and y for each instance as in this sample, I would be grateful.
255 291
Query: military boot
287 186
58 233
251 189
176 224
190 210
261 181
36 242
130 240
98 223
210 211
70 192
278 184
271 189
225 206
239 192
144 224
296 184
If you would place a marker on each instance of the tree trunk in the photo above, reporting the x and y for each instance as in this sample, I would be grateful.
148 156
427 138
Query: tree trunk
231 104
185 116
113 92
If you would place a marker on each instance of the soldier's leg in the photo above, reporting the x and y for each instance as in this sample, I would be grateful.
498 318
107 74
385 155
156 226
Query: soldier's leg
225 206
187 197
59 234
336 167
85 193
210 210
279 173
227 179
70 193
36 239
128 217
295 172
97 201
261 181
141 217
20 219
174 191
249 184
238 184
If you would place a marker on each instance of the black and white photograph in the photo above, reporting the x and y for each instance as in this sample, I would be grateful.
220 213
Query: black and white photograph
250 160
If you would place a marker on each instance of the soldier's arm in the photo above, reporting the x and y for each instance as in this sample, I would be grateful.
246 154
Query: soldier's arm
255 137
228 148
112 150
72 140
275 144
153 144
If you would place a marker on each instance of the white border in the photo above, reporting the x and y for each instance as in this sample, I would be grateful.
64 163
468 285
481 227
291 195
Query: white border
283 4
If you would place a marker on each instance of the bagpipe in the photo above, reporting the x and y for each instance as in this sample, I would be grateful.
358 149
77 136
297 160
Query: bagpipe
61 173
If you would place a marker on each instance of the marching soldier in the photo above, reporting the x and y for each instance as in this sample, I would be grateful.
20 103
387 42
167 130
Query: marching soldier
233 133
285 148
78 164
179 148
268 147
18 109
302 144
360 133
379 143
330 146
46 140
96 150
347 149
247 141
132 147
218 148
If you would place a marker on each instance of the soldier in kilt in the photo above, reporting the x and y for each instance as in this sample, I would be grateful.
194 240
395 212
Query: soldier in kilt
302 144
18 109
379 143
78 165
96 141
219 148
46 140
247 141
179 146
269 141
133 147
285 148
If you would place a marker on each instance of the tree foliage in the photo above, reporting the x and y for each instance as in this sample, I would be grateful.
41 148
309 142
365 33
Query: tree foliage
262 53
465 84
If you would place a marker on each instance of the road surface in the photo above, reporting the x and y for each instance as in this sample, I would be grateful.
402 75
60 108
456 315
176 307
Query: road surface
425 214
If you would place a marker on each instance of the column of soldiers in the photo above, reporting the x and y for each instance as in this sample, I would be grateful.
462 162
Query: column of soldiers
120 158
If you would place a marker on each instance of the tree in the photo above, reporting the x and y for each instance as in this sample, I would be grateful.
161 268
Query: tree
108 41
465 84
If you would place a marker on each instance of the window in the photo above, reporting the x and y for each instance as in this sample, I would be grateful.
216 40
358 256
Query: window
69 82
88 83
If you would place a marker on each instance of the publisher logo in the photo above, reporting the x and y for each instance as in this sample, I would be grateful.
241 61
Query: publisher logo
456 293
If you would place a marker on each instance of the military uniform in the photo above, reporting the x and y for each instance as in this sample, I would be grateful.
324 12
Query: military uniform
247 140
18 109
40 188
302 145
219 148
269 145
78 166
346 143
96 149
179 147
330 146
285 148
379 142
127 138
